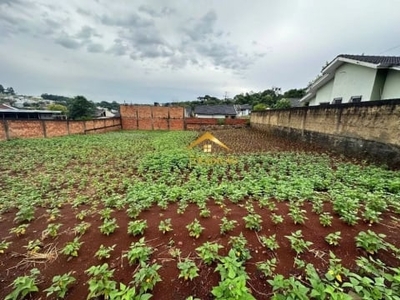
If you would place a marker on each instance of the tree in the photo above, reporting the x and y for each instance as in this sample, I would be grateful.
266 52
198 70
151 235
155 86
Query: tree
259 107
283 103
1 89
80 108
10 91
58 107
294 93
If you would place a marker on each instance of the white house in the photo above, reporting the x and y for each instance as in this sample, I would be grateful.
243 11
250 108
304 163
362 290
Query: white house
356 78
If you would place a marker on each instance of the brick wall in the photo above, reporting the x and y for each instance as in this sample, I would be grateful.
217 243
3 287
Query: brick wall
148 117
366 129
11 129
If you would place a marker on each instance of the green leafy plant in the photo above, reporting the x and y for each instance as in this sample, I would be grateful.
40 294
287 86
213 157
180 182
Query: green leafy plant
137 227
19 230
24 285
34 246
147 276
276 219
104 252
239 245
25 213
138 252
105 213
51 230
208 252
81 228
195 229
267 267
100 281
4 246
188 269
325 219
270 242
60 285
253 221
71 248
165 225
128 293
227 225
108 226
205 212
333 238
297 242
233 279
297 214
370 241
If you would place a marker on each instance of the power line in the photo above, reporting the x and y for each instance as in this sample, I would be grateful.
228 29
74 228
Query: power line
395 47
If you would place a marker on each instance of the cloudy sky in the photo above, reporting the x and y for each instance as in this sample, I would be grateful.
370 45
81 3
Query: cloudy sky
176 50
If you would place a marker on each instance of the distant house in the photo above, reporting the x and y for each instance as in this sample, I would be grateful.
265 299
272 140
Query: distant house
215 111
243 110
356 78
104 113
11 113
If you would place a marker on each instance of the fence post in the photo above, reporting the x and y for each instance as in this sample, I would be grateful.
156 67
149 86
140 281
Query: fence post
6 129
44 128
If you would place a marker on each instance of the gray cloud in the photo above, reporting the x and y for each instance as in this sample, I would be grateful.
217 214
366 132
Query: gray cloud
165 11
68 42
86 33
95 48
202 28
131 20
119 48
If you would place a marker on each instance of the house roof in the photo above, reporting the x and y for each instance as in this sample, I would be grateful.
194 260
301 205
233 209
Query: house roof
5 106
245 106
227 110
383 61
369 61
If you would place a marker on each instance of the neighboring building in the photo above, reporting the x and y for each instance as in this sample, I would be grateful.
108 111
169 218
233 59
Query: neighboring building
215 111
356 78
105 113
243 110
11 113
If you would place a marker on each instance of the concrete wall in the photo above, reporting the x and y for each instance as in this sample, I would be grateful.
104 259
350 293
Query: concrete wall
392 85
367 129
12 129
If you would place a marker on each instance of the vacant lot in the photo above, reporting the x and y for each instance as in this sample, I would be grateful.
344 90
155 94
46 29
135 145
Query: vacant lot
128 215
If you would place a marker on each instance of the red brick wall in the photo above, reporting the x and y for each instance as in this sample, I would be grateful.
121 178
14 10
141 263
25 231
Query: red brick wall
25 129
151 117
3 135
52 128
56 128
76 127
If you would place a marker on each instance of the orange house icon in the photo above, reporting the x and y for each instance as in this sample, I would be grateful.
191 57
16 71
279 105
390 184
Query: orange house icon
207 137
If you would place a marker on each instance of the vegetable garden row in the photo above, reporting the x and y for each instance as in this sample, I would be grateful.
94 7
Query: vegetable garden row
135 215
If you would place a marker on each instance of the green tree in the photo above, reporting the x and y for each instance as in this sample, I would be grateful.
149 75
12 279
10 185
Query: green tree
58 107
294 93
10 91
259 107
1 89
282 104
80 108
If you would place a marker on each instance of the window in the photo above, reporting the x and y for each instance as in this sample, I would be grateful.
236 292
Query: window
337 100
207 148
355 99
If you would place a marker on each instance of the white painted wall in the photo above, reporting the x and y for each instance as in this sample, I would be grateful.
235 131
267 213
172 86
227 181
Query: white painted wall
353 80
392 85
211 116
313 101
324 93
